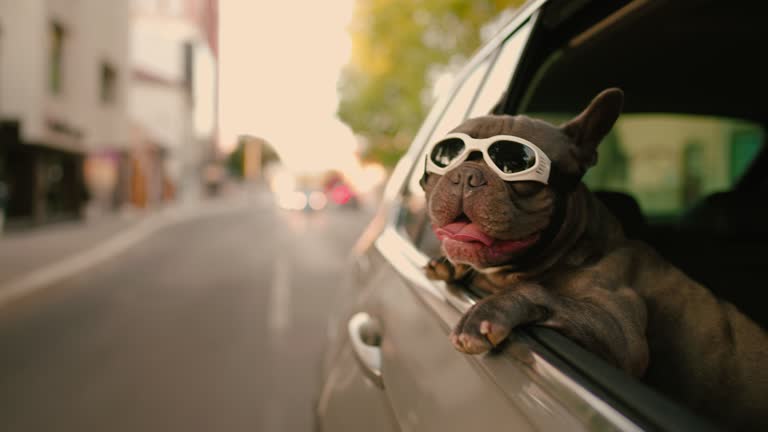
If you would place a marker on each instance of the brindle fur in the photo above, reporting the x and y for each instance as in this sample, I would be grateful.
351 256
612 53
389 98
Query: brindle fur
614 296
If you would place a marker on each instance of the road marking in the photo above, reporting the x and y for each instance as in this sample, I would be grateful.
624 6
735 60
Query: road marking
115 245
280 296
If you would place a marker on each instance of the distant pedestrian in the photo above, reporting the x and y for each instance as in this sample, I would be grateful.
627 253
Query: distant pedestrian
3 203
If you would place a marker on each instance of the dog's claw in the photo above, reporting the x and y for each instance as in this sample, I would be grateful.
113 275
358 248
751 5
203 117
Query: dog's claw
485 327
481 329
494 333
440 269
470 344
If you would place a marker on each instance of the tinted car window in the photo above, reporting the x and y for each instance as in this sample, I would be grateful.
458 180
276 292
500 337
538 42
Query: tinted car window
501 73
457 109
413 216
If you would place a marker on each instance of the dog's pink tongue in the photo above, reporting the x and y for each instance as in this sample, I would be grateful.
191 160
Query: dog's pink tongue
464 231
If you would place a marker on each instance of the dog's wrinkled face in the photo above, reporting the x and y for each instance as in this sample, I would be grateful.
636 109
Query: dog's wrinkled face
485 221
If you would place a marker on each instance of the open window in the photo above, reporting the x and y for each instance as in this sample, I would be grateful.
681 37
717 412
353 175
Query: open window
56 56
682 167
108 82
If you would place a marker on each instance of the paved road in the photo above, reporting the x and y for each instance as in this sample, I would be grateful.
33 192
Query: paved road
211 324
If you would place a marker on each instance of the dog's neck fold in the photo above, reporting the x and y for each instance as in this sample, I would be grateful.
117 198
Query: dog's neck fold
581 231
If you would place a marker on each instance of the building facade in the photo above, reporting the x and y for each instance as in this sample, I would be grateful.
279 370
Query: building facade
173 95
64 74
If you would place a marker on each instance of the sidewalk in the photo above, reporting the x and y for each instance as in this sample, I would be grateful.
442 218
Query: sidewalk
24 251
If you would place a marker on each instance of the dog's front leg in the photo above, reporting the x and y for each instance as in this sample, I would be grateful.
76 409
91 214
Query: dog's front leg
488 323
611 324
441 269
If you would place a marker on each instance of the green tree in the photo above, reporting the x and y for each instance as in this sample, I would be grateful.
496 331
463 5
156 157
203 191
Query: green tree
397 45
235 159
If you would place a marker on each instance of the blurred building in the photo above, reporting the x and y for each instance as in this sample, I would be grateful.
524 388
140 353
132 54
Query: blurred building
64 71
173 97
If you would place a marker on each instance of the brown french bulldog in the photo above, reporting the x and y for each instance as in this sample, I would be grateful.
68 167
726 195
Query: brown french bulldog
553 255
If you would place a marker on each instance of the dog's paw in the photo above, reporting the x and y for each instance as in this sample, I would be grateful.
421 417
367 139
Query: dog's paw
483 327
441 269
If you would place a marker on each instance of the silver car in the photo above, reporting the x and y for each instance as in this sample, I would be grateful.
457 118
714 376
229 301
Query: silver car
688 148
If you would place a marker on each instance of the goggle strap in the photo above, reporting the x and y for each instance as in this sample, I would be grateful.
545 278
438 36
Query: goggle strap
423 180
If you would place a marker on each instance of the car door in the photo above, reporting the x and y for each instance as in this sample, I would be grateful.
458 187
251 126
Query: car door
355 393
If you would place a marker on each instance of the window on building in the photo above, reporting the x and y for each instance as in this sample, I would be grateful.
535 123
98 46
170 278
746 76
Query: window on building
58 40
108 83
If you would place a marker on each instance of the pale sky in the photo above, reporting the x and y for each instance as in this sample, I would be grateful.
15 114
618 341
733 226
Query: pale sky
279 67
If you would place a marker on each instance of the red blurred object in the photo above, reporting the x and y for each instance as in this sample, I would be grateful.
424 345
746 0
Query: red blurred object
341 194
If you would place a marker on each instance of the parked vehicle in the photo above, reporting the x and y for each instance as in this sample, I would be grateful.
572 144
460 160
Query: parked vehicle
685 169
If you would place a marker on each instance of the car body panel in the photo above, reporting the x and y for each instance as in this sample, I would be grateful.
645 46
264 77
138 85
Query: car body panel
351 401
425 378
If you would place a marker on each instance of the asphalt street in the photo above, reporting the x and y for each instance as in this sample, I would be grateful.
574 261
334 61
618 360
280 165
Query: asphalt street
214 323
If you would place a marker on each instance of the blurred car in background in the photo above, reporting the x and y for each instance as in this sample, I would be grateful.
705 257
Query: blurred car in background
340 192
302 200
312 192
684 170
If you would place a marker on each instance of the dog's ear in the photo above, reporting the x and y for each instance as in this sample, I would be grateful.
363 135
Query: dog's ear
588 128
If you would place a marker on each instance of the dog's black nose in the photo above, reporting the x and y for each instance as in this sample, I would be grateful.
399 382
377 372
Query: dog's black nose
468 176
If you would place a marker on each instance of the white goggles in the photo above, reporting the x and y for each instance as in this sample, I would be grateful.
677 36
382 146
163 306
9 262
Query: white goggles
512 158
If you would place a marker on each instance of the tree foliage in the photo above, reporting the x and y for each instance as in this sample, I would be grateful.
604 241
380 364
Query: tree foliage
397 48
236 159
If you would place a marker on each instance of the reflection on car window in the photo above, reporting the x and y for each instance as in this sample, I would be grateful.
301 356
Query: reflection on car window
501 74
458 107
413 216
670 162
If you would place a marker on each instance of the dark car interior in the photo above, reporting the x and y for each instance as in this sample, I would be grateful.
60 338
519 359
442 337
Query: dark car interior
692 58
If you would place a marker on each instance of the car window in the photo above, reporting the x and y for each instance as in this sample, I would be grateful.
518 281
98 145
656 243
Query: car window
669 163
413 216
457 109
501 73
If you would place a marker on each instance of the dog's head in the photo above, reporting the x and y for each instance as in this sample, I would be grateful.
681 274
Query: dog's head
485 221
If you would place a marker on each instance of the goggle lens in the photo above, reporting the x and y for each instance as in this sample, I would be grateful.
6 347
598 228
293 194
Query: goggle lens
511 157
446 151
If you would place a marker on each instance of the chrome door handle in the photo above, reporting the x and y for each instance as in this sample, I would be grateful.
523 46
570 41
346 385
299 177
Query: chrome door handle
365 335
